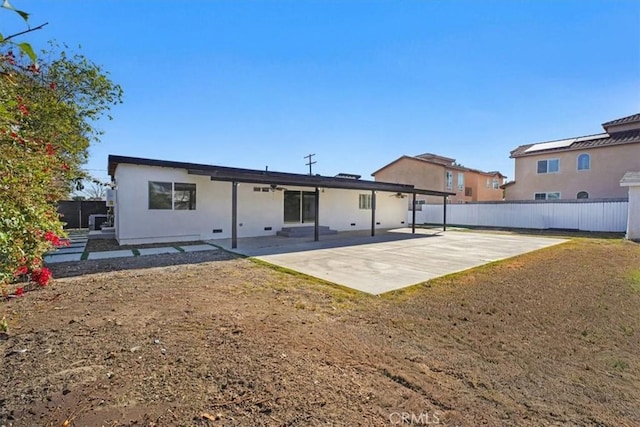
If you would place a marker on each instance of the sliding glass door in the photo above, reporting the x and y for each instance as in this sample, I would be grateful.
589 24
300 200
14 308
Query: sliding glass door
299 206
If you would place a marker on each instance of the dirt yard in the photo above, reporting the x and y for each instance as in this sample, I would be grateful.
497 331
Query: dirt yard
206 339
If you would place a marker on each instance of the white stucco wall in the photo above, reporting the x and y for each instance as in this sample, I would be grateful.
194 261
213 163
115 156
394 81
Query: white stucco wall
340 208
136 223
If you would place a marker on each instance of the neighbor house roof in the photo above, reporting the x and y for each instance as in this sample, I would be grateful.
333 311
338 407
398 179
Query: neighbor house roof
611 137
580 143
629 119
428 160
224 173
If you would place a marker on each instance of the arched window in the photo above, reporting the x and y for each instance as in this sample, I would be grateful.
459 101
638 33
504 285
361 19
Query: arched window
582 195
584 162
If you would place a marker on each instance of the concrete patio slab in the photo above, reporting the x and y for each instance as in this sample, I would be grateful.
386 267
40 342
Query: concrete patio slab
158 251
110 254
53 259
392 259
197 248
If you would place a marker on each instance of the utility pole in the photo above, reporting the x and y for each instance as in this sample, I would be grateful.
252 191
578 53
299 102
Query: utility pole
310 162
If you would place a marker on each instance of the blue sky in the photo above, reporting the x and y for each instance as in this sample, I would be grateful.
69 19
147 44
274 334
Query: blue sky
359 83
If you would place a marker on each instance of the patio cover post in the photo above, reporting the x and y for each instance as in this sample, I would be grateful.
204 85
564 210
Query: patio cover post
316 226
444 217
373 213
413 215
234 214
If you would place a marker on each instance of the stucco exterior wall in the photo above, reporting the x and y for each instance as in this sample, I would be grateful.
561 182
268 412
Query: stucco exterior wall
414 172
136 223
608 165
417 173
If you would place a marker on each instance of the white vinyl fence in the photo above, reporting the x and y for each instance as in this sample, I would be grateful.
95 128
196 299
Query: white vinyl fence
587 215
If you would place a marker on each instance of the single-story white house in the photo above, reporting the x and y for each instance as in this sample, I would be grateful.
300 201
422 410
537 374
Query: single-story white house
159 201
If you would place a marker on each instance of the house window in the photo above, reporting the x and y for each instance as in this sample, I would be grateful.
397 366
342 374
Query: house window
460 181
184 197
582 195
160 195
548 166
468 191
496 183
584 162
547 196
488 183
364 201
168 195
449 179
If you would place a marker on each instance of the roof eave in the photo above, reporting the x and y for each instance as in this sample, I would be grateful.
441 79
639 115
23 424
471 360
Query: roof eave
224 173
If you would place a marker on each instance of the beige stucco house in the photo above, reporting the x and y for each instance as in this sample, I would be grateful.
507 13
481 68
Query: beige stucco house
585 167
443 173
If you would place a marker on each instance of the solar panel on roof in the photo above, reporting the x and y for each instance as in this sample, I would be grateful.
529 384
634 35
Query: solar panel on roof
550 145
591 137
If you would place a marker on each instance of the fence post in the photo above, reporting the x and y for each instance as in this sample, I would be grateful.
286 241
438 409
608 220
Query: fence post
632 180
444 217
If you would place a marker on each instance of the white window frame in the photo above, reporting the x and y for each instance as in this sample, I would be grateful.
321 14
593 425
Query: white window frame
547 171
496 184
460 181
588 162
546 195
364 201
448 177
173 196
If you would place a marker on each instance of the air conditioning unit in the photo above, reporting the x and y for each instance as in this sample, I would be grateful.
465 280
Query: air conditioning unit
111 197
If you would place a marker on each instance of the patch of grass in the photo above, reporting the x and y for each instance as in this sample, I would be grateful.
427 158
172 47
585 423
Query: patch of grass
627 330
634 277
135 252
620 365
178 248
84 256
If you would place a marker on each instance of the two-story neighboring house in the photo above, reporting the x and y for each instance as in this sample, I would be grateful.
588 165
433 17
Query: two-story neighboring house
585 167
443 173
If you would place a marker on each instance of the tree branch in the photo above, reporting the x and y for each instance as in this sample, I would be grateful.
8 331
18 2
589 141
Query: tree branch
39 27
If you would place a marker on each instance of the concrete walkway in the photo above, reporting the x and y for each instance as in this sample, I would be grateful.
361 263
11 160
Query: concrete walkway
391 260
79 253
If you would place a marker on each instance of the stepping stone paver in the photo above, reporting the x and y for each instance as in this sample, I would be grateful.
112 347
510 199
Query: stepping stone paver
53 259
110 254
158 251
196 248
69 250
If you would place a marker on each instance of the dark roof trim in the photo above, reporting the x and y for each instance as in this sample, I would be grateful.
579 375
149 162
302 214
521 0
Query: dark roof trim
224 173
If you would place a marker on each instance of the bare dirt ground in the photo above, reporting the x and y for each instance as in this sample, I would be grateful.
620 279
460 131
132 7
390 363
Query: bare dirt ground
207 339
